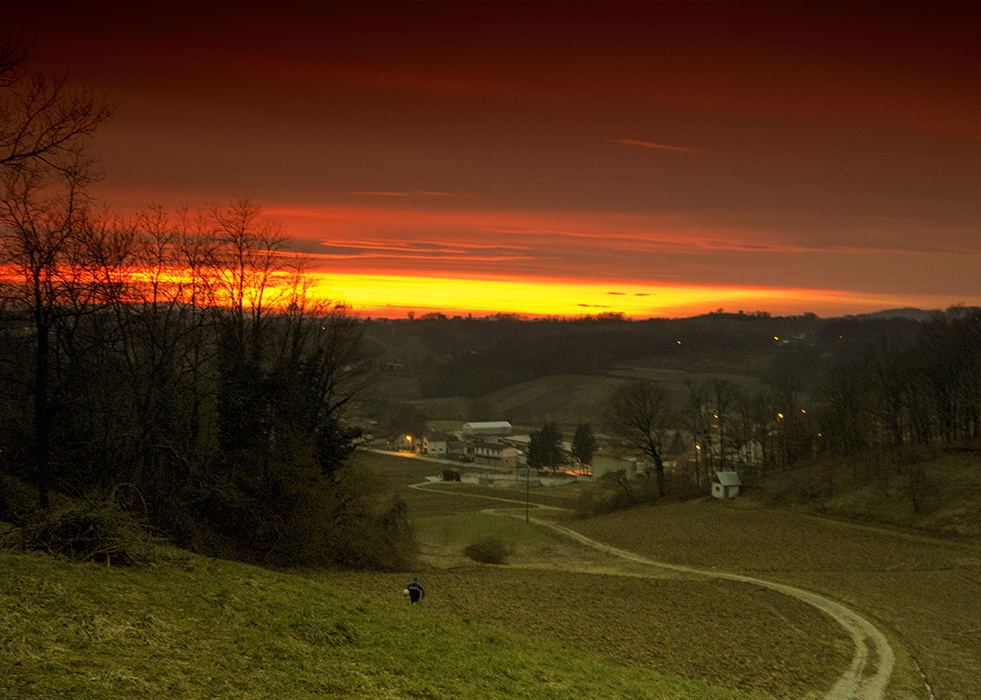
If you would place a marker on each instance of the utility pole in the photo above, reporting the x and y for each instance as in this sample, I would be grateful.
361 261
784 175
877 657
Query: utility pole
527 493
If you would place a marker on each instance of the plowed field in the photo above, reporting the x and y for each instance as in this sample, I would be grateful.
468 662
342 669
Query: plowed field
727 633
927 590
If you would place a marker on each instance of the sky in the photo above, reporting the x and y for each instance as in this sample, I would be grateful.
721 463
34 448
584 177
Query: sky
656 159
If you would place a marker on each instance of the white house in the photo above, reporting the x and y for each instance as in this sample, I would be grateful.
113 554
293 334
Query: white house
726 485
604 463
434 444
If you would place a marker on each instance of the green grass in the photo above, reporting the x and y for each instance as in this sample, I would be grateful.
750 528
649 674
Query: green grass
199 628
467 528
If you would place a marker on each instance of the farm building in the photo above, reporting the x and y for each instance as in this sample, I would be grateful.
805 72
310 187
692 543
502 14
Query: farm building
434 444
604 463
493 452
726 485
497 427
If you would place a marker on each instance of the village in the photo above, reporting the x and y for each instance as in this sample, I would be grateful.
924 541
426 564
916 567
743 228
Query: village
490 453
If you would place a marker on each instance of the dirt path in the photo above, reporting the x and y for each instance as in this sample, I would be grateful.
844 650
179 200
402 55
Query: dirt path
872 664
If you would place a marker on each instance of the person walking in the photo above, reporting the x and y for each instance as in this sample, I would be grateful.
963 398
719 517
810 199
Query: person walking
415 592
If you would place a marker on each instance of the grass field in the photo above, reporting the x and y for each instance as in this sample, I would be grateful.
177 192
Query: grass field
194 628
924 592
556 588
558 621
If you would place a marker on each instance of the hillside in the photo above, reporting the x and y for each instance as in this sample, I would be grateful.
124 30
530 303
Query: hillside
193 627
527 372
926 490
923 592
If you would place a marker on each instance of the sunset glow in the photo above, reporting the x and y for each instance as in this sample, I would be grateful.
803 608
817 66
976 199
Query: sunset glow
643 158
393 296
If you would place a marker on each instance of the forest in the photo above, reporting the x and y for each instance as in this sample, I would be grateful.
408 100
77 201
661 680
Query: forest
166 367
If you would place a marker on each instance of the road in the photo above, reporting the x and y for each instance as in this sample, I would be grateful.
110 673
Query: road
873 661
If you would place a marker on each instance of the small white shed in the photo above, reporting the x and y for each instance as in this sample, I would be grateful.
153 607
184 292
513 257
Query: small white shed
726 485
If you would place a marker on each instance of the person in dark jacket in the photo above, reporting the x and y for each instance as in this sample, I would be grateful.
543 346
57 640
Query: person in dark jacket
414 591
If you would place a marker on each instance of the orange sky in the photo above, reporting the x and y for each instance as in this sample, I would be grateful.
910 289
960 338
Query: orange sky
656 159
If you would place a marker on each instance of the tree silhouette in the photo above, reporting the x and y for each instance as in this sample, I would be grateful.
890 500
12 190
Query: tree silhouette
640 416
545 448
584 444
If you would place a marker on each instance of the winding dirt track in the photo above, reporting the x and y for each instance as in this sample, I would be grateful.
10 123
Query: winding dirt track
872 663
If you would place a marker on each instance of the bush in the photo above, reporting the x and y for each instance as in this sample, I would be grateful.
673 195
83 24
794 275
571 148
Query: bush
18 501
90 531
488 551
616 491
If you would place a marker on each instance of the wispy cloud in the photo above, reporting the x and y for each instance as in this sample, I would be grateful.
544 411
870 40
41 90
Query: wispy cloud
416 250
410 193
657 146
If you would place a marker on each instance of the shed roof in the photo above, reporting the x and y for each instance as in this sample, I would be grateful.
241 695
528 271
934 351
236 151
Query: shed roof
728 478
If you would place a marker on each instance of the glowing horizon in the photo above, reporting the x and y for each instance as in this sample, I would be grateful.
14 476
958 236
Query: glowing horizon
374 295
781 157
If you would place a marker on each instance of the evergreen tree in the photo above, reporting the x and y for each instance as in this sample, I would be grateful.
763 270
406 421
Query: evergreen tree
545 448
584 445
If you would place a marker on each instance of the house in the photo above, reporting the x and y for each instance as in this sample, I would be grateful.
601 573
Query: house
726 485
605 463
487 451
520 443
434 444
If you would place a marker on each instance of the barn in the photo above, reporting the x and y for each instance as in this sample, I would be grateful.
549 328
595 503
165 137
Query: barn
499 427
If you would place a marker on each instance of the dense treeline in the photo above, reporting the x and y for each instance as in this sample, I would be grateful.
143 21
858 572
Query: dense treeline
175 364
474 357
898 392
171 364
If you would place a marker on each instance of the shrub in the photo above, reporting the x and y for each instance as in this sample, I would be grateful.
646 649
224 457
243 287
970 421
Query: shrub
18 501
488 551
616 491
90 531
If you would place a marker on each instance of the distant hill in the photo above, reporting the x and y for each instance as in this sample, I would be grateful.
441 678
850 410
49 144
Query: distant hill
906 312
528 371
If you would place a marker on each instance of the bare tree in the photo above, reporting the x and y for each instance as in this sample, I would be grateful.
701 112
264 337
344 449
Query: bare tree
44 246
45 219
249 274
640 416
697 417
43 125
724 395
